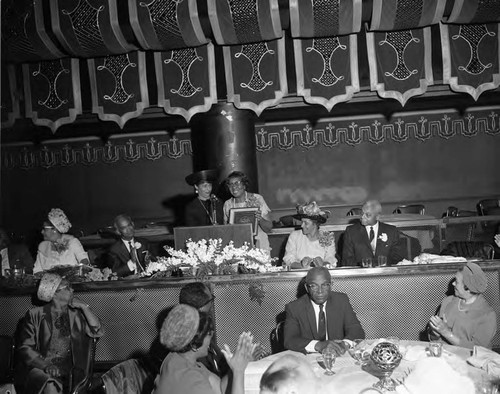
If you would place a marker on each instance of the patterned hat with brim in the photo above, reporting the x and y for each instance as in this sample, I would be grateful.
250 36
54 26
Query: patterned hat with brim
311 211
59 220
48 286
180 327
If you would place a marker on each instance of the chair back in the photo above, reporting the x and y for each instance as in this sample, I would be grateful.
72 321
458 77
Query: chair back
355 212
470 249
411 208
81 379
128 377
485 207
277 338
7 347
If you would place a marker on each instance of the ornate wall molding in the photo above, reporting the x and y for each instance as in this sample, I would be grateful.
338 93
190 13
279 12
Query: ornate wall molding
373 129
376 129
89 152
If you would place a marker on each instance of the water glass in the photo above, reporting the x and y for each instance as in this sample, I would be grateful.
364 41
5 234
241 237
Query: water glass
328 360
381 261
367 262
435 349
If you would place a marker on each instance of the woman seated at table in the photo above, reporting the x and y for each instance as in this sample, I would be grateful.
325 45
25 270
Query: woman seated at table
310 247
187 333
55 339
58 248
237 183
465 319
206 208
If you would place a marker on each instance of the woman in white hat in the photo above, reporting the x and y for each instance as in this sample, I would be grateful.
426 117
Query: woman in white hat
309 246
206 208
58 248
186 333
54 339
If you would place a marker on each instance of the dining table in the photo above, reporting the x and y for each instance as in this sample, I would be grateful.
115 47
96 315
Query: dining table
355 378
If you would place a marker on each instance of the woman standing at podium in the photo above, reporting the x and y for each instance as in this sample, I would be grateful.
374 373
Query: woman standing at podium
237 183
206 208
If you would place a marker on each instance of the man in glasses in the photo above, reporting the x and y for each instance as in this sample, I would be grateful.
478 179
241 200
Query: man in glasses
321 318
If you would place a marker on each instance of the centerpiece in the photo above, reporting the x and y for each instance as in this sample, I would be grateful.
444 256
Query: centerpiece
209 257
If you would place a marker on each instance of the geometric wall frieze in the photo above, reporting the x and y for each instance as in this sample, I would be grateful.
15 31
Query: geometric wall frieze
375 130
92 152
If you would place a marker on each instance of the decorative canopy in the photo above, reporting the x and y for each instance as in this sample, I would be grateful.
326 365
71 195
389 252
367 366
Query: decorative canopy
128 56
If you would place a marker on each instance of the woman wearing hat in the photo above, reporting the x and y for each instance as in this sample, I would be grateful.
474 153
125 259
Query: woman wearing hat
187 333
54 339
465 319
310 246
58 248
206 209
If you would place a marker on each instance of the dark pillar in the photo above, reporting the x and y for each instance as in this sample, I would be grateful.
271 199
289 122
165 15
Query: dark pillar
224 138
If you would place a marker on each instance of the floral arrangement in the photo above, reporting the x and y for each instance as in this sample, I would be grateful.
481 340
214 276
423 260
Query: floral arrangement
208 257
61 245
383 237
326 238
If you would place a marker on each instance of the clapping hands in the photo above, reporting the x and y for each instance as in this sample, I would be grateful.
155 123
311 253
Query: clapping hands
497 240
243 354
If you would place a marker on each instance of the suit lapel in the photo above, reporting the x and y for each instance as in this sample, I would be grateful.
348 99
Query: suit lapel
364 237
311 318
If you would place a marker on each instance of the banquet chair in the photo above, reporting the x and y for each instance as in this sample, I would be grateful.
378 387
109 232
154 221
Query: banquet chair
485 207
7 348
82 379
470 249
411 208
355 212
277 339
128 377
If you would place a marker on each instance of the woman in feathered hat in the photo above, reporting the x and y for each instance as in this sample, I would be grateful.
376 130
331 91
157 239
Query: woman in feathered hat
58 248
206 208
310 247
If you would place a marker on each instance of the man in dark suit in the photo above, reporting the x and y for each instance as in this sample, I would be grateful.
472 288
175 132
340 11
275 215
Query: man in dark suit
127 255
321 318
371 239
14 255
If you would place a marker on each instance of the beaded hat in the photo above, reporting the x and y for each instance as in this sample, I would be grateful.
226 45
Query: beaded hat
59 220
179 327
48 286
311 211
205 175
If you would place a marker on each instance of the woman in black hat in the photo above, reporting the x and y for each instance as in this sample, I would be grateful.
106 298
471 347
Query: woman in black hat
309 246
206 209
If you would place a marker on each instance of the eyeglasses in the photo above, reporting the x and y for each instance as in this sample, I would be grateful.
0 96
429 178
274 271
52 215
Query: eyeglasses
65 287
315 287
235 184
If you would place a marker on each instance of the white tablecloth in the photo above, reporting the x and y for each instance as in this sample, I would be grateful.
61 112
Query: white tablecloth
350 378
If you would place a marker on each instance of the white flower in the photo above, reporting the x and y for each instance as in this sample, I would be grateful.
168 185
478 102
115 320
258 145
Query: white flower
383 237
137 245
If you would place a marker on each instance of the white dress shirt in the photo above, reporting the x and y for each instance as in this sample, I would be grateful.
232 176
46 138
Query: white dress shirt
375 231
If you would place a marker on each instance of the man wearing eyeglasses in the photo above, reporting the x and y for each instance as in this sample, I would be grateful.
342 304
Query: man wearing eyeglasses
321 318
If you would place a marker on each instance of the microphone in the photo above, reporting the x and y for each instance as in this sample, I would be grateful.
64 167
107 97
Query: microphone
214 199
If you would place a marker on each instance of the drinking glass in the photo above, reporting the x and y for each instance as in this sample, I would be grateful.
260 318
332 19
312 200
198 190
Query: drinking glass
366 262
435 349
382 261
328 360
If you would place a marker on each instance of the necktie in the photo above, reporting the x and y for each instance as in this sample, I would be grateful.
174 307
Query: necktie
133 255
372 234
321 324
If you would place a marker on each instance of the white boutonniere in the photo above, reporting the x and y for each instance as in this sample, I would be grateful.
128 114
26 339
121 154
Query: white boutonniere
137 245
383 237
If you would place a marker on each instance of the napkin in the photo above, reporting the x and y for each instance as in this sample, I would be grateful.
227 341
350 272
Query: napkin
485 359
414 353
435 375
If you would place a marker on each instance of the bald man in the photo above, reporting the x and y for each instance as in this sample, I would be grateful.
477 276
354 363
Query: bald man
371 239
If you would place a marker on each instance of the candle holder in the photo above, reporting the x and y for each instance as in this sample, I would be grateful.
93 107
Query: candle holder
386 357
